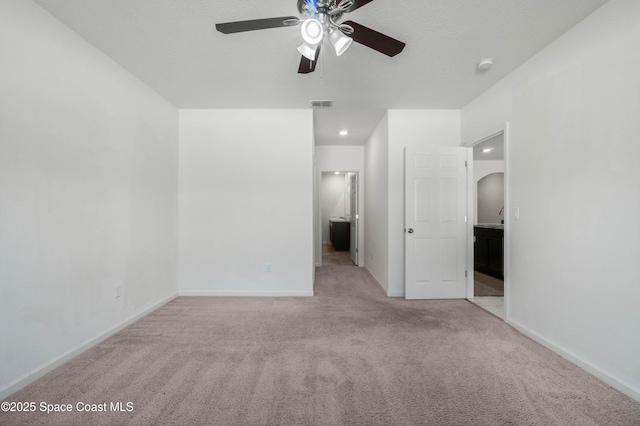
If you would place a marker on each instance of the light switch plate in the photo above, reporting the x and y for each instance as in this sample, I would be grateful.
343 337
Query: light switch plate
515 213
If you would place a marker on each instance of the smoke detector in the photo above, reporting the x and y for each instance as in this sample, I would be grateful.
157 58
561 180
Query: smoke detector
485 64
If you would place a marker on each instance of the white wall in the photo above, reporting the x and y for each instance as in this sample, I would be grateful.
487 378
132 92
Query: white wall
351 159
246 197
482 168
340 158
410 128
376 203
317 238
486 167
574 175
88 195
490 198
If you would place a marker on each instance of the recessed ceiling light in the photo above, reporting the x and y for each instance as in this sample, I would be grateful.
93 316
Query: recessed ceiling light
487 150
485 64
343 133
337 173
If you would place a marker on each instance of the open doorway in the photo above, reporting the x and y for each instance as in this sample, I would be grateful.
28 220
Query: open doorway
339 216
489 201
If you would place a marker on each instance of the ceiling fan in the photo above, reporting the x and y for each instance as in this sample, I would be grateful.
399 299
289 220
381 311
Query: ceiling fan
320 19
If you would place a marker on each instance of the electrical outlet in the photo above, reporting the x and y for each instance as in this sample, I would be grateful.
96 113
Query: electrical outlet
118 290
267 267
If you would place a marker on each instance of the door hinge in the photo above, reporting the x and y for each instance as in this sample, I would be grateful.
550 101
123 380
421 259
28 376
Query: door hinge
465 219
466 164
466 273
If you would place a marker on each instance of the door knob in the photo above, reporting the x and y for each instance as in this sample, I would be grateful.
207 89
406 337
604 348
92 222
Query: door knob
410 230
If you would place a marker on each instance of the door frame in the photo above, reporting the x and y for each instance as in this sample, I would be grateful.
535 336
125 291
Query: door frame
504 130
357 215
318 224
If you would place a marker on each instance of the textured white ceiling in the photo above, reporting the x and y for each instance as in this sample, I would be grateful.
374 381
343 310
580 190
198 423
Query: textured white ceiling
172 46
359 123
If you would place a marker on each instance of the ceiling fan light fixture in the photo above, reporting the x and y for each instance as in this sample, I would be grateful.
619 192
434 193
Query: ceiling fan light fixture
308 50
340 41
320 19
312 31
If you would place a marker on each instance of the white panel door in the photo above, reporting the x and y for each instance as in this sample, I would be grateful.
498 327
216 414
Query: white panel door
353 184
435 223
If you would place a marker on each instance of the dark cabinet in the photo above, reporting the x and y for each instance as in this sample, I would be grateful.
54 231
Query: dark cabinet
488 251
340 234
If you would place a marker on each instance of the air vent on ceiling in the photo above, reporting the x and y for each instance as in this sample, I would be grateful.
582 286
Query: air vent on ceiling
321 104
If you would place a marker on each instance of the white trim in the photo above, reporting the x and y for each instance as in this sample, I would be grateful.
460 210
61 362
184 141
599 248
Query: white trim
597 371
507 222
389 294
395 294
470 221
247 293
492 134
506 269
47 367
360 231
318 215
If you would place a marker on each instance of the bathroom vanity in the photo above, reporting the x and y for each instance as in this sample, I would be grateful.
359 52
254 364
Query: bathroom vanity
339 233
489 249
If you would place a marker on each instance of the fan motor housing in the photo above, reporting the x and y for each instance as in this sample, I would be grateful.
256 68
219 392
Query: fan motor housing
325 7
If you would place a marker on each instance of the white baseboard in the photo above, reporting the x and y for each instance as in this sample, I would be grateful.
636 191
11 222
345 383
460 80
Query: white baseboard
247 293
395 294
599 372
40 371
376 280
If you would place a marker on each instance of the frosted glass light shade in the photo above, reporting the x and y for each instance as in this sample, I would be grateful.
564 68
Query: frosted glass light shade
308 51
312 31
340 41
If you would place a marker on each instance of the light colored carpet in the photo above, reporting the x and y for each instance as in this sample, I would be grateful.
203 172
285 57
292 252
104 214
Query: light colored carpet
332 257
348 356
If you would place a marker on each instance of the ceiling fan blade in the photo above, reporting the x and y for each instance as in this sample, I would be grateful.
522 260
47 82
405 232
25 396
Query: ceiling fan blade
257 24
357 4
375 40
306 65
